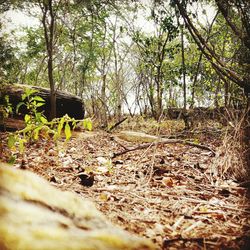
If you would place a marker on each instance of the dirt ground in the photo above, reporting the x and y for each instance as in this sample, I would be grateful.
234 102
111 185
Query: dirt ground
171 194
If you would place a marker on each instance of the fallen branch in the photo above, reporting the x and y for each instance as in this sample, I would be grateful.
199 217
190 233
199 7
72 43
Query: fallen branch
185 133
167 242
118 142
163 142
117 124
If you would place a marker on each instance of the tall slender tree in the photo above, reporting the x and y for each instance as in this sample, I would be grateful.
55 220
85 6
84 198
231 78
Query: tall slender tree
49 24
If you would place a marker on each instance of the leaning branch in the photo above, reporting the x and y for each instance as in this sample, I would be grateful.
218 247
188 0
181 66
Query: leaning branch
117 124
217 64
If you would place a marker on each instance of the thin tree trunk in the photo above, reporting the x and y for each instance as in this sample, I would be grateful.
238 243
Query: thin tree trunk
195 80
103 99
48 21
226 89
183 71
184 114
217 89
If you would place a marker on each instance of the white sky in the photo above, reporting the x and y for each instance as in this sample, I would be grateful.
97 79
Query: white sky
16 20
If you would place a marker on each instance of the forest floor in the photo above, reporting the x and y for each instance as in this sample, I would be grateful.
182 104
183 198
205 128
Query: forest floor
173 194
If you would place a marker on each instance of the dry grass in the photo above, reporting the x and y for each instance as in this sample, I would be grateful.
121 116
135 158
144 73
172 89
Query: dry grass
229 162
151 126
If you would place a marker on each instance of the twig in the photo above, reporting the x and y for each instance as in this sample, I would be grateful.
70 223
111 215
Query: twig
163 142
167 242
117 124
118 142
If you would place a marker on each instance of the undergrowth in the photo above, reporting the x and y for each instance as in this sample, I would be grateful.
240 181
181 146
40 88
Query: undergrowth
229 161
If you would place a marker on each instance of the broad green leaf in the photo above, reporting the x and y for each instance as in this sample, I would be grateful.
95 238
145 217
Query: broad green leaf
24 97
27 118
60 126
7 99
30 91
21 145
67 131
38 116
28 128
73 123
56 136
38 98
36 133
87 124
39 104
43 120
11 141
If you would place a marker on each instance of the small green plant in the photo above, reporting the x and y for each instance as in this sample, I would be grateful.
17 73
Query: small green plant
109 166
32 103
87 124
6 109
37 125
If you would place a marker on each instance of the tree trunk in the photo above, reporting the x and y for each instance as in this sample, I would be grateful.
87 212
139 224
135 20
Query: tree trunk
52 90
48 21
226 87
103 114
185 115
217 89
183 71
195 81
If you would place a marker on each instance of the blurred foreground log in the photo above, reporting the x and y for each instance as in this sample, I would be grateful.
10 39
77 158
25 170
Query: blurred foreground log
34 215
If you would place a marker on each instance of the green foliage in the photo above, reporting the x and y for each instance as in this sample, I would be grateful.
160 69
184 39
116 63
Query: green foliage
32 104
92 50
8 61
37 126
87 124
6 108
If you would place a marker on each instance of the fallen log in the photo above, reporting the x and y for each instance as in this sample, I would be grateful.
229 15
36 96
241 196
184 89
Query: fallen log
35 216
151 140
66 103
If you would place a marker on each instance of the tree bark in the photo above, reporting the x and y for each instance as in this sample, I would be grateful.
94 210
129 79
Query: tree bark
66 103
48 21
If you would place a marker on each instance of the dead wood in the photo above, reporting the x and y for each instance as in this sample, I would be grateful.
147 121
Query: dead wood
193 132
163 142
66 103
117 124
168 242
